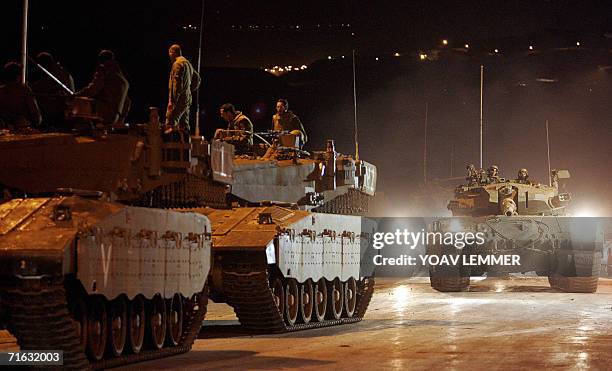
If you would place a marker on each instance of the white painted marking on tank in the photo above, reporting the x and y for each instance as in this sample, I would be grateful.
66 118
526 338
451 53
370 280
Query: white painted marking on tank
106 261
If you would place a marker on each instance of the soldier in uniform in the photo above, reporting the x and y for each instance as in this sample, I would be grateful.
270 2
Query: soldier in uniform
239 127
523 176
183 81
285 120
109 89
18 106
493 174
472 177
50 95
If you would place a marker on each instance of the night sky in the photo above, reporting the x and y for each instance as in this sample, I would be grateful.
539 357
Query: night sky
392 91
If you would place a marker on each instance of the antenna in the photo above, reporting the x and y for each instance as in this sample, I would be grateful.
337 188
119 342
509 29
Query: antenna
197 126
24 42
548 155
425 145
355 110
481 94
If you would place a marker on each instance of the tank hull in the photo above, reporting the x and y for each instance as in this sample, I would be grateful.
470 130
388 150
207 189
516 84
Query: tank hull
275 265
74 270
567 250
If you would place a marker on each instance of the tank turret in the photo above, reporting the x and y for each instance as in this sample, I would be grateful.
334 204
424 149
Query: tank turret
321 181
484 196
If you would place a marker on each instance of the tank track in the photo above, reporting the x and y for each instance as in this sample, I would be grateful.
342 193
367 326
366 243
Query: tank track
450 284
39 316
249 293
353 202
574 284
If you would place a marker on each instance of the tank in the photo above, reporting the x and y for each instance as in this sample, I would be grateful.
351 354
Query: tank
523 218
322 181
106 283
94 261
286 258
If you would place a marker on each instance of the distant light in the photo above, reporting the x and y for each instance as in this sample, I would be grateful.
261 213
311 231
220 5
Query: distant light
445 42
422 56
376 58
530 47
265 69
496 50
329 57
298 27
290 66
304 67
342 57
467 46
396 54
281 69
577 43
352 34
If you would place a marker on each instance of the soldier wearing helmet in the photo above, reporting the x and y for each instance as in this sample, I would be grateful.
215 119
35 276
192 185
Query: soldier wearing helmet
523 176
472 177
493 174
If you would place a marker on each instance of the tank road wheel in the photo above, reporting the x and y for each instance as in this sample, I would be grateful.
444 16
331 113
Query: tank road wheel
279 297
292 307
136 324
320 299
79 313
306 301
350 297
97 327
336 299
157 322
118 326
175 320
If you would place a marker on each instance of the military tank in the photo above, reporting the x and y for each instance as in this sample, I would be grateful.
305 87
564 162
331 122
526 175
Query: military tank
286 259
85 268
521 218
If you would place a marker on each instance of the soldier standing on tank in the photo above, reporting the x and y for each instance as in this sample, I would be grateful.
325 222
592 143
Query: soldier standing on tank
239 127
50 95
183 81
18 106
109 89
285 120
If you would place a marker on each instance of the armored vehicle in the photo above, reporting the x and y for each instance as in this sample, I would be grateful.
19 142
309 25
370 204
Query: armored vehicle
86 268
520 218
284 258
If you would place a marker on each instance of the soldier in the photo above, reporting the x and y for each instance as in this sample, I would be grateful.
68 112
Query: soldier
50 95
109 89
285 120
183 81
18 106
472 177
493 174
239 127
523 176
